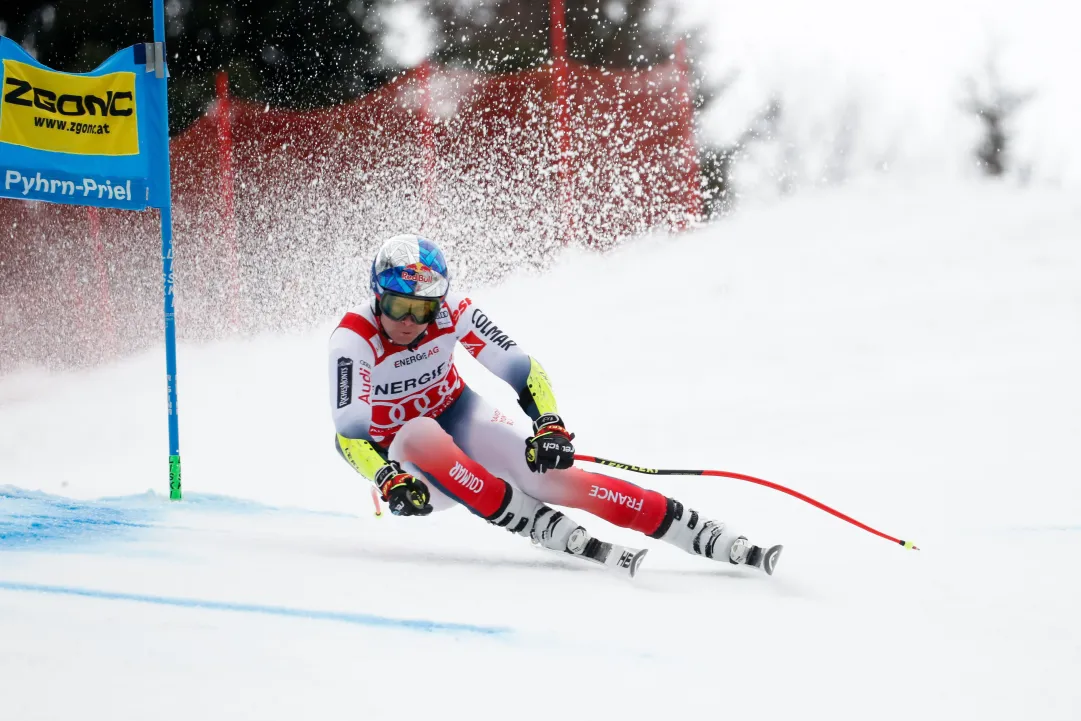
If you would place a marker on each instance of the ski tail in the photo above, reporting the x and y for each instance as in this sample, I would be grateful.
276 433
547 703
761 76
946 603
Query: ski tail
764 558
620 560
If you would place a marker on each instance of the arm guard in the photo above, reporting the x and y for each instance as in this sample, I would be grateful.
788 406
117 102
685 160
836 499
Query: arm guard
363 455
537 397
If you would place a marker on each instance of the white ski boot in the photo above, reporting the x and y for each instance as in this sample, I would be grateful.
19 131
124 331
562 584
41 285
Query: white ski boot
555 531
687 530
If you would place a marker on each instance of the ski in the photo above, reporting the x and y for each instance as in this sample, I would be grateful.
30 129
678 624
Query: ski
764 558
618 559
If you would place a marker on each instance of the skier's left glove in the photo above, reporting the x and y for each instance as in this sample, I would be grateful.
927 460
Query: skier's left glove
550 445
404 493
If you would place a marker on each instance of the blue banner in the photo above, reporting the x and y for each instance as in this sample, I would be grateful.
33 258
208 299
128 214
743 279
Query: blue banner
97 138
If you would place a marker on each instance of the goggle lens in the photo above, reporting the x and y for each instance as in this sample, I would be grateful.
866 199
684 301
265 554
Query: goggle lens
397 307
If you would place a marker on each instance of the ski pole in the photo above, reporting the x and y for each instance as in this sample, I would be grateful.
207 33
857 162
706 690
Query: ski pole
751 479
375 502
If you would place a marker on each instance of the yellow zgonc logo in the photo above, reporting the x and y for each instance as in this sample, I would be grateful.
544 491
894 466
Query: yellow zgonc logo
46 110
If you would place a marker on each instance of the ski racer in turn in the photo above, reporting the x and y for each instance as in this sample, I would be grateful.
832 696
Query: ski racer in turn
406 420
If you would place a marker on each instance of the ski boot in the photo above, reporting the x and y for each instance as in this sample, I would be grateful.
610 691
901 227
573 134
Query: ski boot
687 530
555 531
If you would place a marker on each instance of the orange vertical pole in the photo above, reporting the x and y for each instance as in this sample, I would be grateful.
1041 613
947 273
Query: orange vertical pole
562 92
690 147
104 301
225 181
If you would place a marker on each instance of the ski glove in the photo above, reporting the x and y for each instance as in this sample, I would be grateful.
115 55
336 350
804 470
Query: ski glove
403 493
550 445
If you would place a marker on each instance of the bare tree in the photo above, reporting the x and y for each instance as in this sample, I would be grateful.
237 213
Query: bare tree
994 105
718 161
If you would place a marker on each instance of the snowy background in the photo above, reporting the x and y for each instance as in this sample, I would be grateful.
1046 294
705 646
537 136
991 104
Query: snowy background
906 353
890 81
903 345
880 85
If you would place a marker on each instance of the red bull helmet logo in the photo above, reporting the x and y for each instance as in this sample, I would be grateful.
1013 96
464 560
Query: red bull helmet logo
417 273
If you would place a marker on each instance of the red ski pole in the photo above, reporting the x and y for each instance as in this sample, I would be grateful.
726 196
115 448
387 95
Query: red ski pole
375 502
750 479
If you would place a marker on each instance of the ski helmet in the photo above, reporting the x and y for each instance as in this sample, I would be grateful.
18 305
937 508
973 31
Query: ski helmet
408 266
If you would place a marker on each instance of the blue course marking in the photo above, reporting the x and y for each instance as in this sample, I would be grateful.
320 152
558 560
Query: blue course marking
33 519
359 619
28 518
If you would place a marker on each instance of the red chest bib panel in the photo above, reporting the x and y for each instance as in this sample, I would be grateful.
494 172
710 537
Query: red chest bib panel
407 383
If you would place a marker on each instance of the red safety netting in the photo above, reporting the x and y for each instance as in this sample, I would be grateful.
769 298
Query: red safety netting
488 165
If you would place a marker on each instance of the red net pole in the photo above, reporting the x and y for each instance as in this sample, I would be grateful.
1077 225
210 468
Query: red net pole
424 75
225 165
559 67
74 293
559 30
104 301
694 196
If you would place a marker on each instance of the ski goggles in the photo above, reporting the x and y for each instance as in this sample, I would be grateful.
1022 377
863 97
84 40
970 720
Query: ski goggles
397 307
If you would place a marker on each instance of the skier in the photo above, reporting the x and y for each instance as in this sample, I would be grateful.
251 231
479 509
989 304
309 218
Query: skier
407 421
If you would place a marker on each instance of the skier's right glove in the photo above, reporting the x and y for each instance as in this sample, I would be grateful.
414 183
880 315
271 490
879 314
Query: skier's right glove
402 492
550 445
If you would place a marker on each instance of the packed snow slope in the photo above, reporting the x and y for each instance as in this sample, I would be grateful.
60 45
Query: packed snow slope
908 354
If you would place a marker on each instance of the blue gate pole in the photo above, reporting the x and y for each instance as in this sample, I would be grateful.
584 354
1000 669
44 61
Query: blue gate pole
164 181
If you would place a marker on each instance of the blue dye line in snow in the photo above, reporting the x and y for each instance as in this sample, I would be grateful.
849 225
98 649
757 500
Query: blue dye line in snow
30 519
359 619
